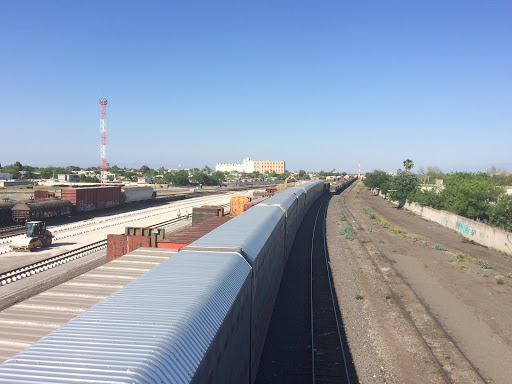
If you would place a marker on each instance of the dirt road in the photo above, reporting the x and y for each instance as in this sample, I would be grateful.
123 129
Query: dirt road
473 304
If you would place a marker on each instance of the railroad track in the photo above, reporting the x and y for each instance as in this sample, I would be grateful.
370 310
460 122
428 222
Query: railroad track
453 364
56 261
330 355
79 228
12 230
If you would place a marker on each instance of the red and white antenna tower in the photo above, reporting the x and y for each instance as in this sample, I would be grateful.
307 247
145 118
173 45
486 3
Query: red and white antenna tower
103 145
359 169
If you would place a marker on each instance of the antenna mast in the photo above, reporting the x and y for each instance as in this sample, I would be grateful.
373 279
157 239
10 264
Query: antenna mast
103 145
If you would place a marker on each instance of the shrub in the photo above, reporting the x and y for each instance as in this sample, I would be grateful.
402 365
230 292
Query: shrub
347 232
440 247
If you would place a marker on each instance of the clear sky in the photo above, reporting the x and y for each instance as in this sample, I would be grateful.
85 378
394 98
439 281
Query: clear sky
320 84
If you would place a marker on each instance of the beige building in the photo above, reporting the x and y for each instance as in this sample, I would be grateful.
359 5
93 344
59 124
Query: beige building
264 166
249 166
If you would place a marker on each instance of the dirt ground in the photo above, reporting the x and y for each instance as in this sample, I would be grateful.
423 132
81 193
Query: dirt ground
474 305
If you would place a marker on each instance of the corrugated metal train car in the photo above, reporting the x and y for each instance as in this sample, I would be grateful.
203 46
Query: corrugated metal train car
201 316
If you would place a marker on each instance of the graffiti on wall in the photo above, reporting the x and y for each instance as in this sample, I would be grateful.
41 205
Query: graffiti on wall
464 228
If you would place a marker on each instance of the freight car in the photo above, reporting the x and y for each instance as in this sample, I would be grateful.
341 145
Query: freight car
220 292
92 199
80 200
5 211
40 209
135 194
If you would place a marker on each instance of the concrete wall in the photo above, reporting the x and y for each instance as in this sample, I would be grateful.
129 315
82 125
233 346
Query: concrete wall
478 232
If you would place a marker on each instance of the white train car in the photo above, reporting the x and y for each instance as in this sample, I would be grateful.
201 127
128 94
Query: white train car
133 194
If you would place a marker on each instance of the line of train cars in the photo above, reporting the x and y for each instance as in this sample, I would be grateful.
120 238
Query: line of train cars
73 201
201 316
337 185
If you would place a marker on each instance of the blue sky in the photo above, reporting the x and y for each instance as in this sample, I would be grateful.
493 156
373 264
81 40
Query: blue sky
319 84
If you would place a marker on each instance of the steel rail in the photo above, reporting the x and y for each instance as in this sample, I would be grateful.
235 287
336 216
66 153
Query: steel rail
331 290
55 261
334 306
413 292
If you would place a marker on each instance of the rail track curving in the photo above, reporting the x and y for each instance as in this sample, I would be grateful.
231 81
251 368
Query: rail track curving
452 362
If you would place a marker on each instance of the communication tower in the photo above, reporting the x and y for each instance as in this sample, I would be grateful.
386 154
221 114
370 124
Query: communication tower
103 145
359 175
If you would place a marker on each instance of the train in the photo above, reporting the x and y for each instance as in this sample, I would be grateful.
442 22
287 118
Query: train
72 201
336 186
201 316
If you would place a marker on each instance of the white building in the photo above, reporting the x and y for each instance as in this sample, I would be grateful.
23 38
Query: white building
246 166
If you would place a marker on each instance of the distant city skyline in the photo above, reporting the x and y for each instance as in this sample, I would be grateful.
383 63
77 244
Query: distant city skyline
319 86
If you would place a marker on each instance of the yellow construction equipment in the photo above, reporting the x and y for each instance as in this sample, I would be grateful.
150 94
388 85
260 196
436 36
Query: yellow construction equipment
37 236
292 176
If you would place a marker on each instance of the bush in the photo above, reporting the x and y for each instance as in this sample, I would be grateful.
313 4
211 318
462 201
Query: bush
347 232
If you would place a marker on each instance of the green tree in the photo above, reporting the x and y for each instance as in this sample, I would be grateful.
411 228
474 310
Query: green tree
500 215
469 194
408 164
144 169
180 178
378 179
403 185
218 178
199 177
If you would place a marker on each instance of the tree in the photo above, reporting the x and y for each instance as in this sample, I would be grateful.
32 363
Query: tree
199 177
180 178
408 164
403 185
378 179
144 169
500 215
217 178
469 194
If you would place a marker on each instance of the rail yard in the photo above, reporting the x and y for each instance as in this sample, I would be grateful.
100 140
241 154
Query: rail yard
274 294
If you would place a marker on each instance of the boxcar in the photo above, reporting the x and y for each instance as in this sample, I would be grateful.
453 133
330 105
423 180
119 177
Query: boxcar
40 210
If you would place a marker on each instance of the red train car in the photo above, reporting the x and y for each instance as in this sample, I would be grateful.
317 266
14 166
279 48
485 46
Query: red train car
91 199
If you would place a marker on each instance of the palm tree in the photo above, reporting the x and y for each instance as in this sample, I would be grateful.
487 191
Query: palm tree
408 164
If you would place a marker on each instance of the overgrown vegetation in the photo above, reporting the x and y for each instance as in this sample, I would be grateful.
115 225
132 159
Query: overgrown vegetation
413 238
347 232
484 264
477 196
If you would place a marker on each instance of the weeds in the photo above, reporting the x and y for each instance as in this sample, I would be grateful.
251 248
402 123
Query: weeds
347 232
359 297
485 275
484 264
509 275
383 223
439 247
388 297
500 281
343 218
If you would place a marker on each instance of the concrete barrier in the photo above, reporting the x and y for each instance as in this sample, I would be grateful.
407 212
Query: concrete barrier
480 233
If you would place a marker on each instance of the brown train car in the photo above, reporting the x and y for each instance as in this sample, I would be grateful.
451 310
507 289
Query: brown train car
5 211
41 209
92 199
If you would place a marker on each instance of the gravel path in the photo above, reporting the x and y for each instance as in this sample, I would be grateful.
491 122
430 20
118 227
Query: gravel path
468 300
